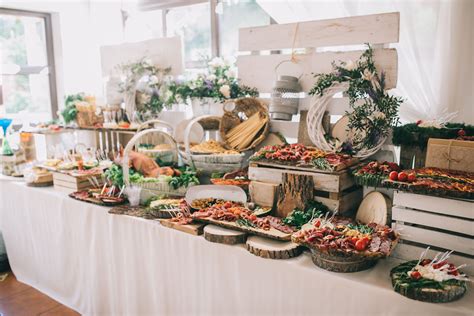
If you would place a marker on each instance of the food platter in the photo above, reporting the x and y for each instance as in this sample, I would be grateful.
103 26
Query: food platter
343 245
103 200
224 192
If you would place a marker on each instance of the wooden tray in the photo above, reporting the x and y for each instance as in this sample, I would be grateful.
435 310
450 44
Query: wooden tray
404 186
195 229
271 233
95 201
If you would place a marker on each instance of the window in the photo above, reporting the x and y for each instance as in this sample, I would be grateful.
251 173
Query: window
208 27
27 80
233 15
141 26
193 24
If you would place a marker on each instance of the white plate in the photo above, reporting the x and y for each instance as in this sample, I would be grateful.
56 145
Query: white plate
224 192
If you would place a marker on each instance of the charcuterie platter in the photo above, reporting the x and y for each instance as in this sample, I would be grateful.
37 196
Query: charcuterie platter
303 158
342 245
434 181
241 219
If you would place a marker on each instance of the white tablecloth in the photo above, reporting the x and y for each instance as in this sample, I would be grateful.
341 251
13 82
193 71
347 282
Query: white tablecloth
103 264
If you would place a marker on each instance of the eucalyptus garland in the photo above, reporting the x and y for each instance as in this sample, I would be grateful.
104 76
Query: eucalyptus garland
372 119
414 135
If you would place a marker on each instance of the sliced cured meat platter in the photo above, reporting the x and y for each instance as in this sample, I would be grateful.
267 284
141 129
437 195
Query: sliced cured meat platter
272 233
419 189
292 166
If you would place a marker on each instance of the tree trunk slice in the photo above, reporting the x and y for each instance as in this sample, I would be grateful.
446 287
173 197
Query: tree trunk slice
341 264
272 249
448 293
223 235
294 192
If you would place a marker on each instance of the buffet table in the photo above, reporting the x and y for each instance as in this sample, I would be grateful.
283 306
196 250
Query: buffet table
98 263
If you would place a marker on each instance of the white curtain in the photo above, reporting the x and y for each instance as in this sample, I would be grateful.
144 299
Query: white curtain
435 50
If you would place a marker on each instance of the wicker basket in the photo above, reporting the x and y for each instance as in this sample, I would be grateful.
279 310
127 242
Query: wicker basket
230 119
209 163
166 156
150 189
88 119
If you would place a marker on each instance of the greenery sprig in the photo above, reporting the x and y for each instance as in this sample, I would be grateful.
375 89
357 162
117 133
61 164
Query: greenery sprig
378 113
155 83
414 135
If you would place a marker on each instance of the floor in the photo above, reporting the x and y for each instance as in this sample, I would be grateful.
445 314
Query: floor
19 299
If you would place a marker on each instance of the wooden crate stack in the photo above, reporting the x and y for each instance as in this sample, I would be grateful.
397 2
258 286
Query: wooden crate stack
337 190
443 224
70 183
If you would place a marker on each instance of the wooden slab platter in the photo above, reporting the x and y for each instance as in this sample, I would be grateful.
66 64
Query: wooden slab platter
272 249
195 229
223 235
271 233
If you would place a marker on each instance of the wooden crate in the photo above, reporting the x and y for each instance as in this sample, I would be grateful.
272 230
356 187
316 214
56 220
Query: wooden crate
337 190
68 183
443 224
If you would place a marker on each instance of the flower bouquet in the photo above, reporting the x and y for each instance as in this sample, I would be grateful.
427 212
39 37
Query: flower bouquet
207 91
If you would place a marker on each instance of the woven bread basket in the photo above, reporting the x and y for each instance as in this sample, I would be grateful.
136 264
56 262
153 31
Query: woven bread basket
208 163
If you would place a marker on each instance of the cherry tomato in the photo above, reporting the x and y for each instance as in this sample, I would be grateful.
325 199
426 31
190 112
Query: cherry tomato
354 240
411 177
361 244
227 204
402 176
253 217
415 275
393 176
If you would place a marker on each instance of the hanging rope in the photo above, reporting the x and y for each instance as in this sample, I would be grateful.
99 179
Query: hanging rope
294 59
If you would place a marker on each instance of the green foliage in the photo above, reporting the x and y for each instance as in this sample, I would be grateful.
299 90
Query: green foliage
372 119
297 218
115 175
322 164
188 176
364 229
69 112
412 134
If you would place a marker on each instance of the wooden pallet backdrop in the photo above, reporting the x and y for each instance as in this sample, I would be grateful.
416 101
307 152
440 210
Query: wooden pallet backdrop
256 66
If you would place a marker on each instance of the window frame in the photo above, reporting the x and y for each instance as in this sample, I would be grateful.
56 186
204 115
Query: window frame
30 70
215 36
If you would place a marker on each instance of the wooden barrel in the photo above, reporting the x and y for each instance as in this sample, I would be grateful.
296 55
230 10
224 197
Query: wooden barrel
341 262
